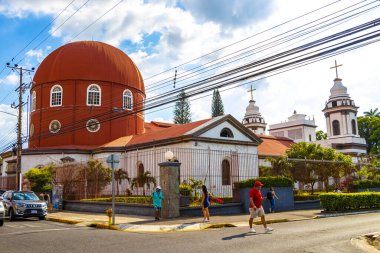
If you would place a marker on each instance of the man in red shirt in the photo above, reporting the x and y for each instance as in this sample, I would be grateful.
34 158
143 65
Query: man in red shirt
255 207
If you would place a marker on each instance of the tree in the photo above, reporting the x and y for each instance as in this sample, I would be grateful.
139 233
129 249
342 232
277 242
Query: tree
319 163
121 175
195 185
321 135
96 176
369 129
182 114
144 179
372 113
217 108
40 179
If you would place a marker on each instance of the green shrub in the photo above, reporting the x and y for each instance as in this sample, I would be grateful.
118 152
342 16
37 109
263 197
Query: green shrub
365 184
349 201
267 181
301 197
185 190
129 200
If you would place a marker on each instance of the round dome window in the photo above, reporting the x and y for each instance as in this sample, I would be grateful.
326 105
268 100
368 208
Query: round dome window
55 126
93 125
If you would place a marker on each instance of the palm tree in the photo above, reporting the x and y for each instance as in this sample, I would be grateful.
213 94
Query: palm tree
372 113
142 180
121 175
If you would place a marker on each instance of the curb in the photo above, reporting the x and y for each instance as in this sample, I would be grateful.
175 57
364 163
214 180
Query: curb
73 222
344 214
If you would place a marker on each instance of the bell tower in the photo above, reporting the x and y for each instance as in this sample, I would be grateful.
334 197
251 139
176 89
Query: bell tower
253 119
341 120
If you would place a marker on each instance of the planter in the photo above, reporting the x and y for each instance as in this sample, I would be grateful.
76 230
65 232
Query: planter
184 201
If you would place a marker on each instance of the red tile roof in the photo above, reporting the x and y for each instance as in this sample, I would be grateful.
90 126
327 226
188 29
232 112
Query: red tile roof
273 145
155 134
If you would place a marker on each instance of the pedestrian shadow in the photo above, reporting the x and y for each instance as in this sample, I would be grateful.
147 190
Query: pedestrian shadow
243 235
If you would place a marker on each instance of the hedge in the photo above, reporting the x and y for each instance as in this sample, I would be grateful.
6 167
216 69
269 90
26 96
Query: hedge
268 182
305 197
349 201
365 184
129 200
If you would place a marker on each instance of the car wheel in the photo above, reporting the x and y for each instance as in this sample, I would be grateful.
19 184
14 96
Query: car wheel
41 217
11 215
1 222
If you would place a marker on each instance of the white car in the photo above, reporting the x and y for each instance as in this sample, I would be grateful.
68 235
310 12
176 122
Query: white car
2 211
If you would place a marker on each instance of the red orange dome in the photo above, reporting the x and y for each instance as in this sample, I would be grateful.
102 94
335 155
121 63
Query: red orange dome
89 60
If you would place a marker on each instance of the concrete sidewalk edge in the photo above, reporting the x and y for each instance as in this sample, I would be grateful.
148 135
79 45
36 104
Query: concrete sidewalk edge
361 243
345 214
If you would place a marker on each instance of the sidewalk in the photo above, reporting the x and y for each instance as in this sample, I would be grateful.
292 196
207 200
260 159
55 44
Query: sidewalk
131 223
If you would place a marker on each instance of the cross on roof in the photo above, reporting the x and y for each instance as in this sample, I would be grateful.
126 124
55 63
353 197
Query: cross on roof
251 90
336 68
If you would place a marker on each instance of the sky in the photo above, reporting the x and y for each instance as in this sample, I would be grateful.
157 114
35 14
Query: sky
163 35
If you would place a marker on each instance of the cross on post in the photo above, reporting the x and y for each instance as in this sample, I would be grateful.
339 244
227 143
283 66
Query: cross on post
251 90
336 68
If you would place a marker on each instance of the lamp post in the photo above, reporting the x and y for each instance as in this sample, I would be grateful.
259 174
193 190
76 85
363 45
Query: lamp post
113 161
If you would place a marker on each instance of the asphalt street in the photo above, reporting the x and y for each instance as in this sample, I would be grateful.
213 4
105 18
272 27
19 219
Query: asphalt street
320 235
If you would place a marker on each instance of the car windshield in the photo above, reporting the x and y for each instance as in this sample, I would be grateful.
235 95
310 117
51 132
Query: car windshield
24 196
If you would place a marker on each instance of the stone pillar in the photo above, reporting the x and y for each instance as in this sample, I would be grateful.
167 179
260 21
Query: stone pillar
169 182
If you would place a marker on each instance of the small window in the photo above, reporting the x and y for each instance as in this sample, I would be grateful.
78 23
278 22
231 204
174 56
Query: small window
31 130
310 137
140 173
55 126
127 100
336 127
34 101
93 125
227 133
93 95
226 172
56 96
353 124
334 103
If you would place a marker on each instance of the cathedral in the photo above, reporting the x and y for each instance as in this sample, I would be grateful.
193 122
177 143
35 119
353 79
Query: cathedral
87 102
341 123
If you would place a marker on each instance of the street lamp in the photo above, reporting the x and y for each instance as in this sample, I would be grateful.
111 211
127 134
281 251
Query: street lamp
169 156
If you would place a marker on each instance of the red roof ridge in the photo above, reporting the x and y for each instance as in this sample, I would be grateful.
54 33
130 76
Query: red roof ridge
264 136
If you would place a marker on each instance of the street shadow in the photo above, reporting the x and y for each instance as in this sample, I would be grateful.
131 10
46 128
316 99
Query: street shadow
243 235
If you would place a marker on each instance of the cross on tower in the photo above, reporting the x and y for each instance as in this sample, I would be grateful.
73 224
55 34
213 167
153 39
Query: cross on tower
336 68
251 90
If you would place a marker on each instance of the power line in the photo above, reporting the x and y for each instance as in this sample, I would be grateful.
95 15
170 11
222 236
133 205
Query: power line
249 37
169 98
281 41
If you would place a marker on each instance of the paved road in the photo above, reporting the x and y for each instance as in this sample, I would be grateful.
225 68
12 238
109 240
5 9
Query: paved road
322 235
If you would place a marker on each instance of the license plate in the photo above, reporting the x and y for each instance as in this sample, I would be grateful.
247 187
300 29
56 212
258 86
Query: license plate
33 211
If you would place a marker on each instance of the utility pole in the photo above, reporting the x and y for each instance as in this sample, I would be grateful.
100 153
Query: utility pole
19 123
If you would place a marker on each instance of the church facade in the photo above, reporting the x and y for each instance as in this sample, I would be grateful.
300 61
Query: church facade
87 102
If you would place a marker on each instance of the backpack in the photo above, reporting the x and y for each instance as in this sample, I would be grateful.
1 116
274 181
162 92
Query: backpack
269 195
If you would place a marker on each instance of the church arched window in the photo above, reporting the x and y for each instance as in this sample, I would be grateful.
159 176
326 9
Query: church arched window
94 95
353 125
226 132
140 173
34 101
127 100
226 172
56 95
336 127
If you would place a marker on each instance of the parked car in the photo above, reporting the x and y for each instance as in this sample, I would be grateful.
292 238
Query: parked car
2 212
1 192
22 204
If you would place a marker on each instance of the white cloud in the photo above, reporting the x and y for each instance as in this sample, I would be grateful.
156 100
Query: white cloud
11 79
185 34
